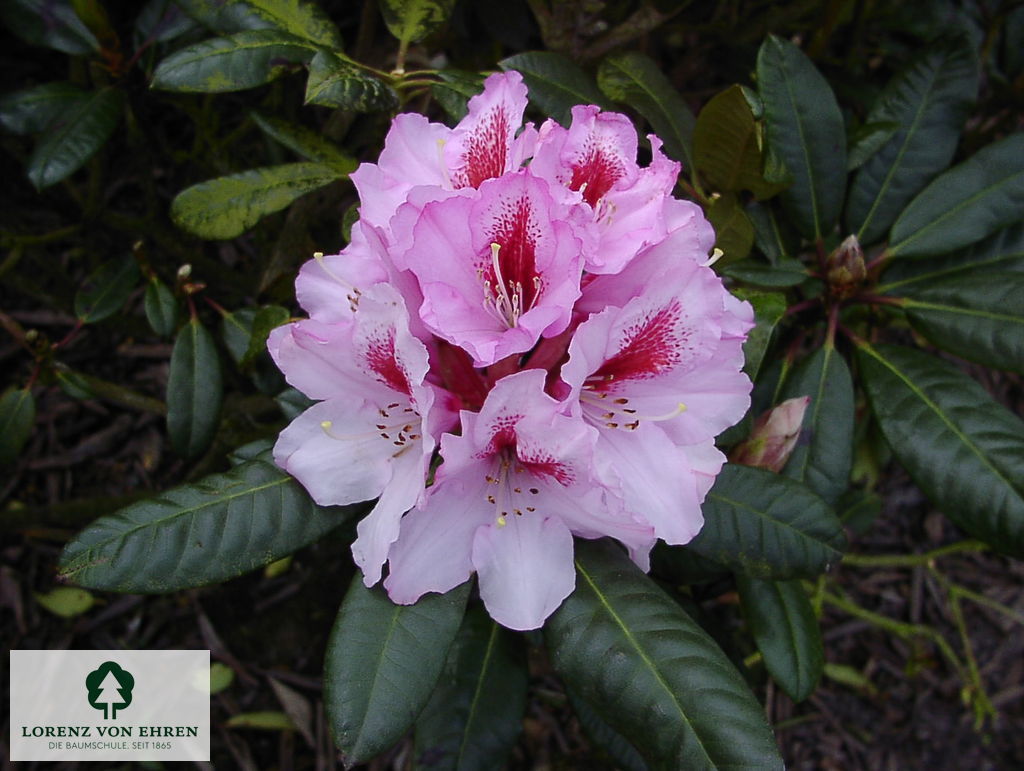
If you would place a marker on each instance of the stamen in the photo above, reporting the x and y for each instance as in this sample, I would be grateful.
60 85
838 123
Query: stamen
353 291
443 165
716 255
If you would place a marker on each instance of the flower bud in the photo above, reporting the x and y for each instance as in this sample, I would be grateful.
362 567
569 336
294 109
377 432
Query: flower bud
845 269
774 436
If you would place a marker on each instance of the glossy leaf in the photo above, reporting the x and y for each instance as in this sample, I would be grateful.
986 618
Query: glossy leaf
773 235
49 23
160 21
556 83
476 712
928 103
17 416
194 390
979 317
338 82
383 661
823 457
161 308
236 332
232 63
226 207
769 308
635 79
292 403
621 751
734 232
866 141
264 322
412 20
784 273
224 17
786 631
198 534
106 290
74 137
805 130
454 91
302 18
964 451
965 204
767 526
651 673
32 110
311 145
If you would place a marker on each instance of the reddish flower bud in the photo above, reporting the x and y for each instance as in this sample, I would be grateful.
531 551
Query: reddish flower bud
774 436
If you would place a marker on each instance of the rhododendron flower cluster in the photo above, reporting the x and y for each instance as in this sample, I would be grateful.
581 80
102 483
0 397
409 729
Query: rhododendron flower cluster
534 311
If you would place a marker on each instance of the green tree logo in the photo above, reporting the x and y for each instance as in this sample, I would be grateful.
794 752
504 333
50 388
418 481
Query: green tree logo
110 688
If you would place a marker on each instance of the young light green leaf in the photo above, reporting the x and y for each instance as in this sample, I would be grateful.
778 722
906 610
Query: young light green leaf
784 273
161 308
965 204
928 103
194 390
74 137
868 140
476 712
221 677
651 673
806 131
635 79
786 631
198 534
106 290
311 145
979 317
335 81
412 20
964 450
556 83
233 63
226 207
66 601
301 18
383 661
264 721
50 24
824 455
769 307
767 526
32 110
17 415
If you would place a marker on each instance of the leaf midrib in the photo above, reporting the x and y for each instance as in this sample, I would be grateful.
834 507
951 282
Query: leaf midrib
912 303
396 610
476 693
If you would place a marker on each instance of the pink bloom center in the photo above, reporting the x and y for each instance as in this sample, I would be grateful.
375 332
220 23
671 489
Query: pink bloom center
512 283
485 153
380 356
596 174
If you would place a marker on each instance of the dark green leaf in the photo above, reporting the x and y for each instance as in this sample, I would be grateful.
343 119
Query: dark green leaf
965 204
785 273
769 308
383 661
236 331
250 451
476 711
651 673
621 751
455 90
979 317
868 140
161 308
32 110
106 290
302 18
266 320
17 415
858 510
74 137
734 233
50 23
965 451
292 403
338 82
767 526
805 130
634 79
824 454
226 207
412 20
782 621
772 235
680 565
311 145
160 21
225 17
928 103
556 83
194 390
232 63
199 534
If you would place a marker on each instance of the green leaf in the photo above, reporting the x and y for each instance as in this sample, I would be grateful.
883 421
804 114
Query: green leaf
301 18
17 416
264 721
73 138
32 110
621 751
264 322
49 23
383 661
412 20
734 232
965 204
226 207
161 308
311 145
106 290
194 391
805 130
335 81
786 631
979 317
868 140
769 308
198 534
236 331
455 90
784 273
476 712
767 526
858 509
225 17
823 456
928 102
962 449
556 83
635 79
292 403
161 21
727 146
651 673
682 566
66 601
773 237
221 677
232 63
